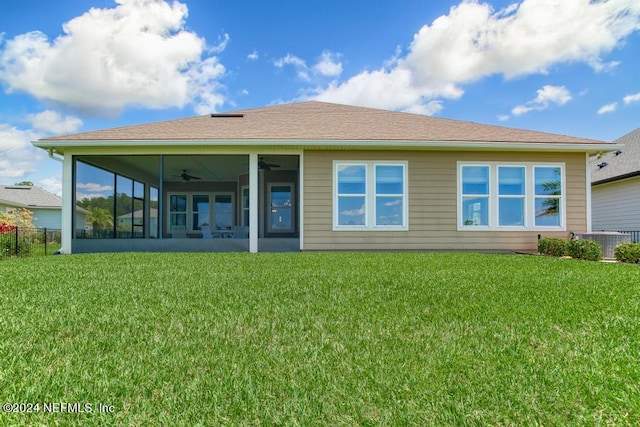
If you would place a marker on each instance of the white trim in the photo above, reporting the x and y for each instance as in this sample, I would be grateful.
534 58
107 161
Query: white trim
301 199
67 206
253 202
588 192
370 195
530 197
260 145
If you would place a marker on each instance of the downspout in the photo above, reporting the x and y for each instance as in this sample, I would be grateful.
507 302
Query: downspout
52 157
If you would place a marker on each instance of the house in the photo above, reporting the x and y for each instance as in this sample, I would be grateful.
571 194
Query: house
615 187
321 176
46 207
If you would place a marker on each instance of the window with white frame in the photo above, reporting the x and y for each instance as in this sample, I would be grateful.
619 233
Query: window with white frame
510 196
370 195
193 210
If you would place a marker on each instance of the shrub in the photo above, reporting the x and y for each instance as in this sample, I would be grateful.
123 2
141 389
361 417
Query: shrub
8 246
584 249
552 246
628 252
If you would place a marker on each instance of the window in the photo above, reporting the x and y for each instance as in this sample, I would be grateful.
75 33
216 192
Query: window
245 206
177 211
475 195
370 195
548 195
200 203
510 196
193 210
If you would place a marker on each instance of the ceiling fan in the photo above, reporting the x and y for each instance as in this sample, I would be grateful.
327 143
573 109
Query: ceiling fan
186 177
266 166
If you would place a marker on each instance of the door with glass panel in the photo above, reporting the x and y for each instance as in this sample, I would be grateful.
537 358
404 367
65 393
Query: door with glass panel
280 200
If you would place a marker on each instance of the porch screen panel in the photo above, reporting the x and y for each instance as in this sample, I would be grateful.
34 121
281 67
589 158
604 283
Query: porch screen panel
223 211
124 207
153 212
94 191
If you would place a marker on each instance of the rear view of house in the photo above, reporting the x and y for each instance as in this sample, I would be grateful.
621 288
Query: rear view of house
320 176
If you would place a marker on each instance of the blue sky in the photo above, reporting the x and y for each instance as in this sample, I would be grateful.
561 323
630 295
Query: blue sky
568 67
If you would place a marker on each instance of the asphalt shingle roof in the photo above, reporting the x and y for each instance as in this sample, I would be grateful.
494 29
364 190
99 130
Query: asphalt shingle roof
619 165
320 121
28 197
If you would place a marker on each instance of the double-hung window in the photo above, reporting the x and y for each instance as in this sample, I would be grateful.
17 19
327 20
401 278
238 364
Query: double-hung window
370 195
504 196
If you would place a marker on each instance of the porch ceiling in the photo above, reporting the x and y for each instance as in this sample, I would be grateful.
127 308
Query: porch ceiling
209 168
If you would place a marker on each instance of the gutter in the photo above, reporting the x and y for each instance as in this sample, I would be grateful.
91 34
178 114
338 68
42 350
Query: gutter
336 144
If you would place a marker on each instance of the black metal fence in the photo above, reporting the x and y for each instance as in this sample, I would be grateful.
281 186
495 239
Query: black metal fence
25 242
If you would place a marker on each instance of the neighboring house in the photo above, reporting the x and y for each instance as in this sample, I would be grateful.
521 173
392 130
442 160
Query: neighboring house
615 180
320 176
46 207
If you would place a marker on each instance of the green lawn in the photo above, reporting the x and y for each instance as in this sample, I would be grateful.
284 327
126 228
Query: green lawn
320 339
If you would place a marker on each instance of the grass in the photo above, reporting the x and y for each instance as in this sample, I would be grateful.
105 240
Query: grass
321 339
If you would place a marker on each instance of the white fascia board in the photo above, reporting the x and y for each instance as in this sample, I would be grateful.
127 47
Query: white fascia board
334 144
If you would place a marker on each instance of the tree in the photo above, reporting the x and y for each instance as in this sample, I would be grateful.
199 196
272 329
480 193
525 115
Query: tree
22 218
551 206
27 183
100 218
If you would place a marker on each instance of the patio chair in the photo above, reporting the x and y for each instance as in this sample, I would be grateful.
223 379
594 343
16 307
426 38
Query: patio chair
240 232
206 232
178 232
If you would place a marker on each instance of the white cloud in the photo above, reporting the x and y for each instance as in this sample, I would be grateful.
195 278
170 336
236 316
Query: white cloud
503 117
52 184
548 95
135 54
53 122
18 157
253 56
609 108
328 65
353 212
473 41
629 99
299 64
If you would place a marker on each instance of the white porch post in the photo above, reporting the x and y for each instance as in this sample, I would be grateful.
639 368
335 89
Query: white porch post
68 204
253 202
588 191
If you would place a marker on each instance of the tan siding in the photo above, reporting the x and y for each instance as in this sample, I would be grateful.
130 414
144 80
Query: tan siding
432 203
616 205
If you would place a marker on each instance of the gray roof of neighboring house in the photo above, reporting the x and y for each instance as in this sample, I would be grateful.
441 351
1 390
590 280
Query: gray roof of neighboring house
621 164
23 196
314 121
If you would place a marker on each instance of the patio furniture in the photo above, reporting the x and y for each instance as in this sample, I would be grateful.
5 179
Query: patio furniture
240 232
206 232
